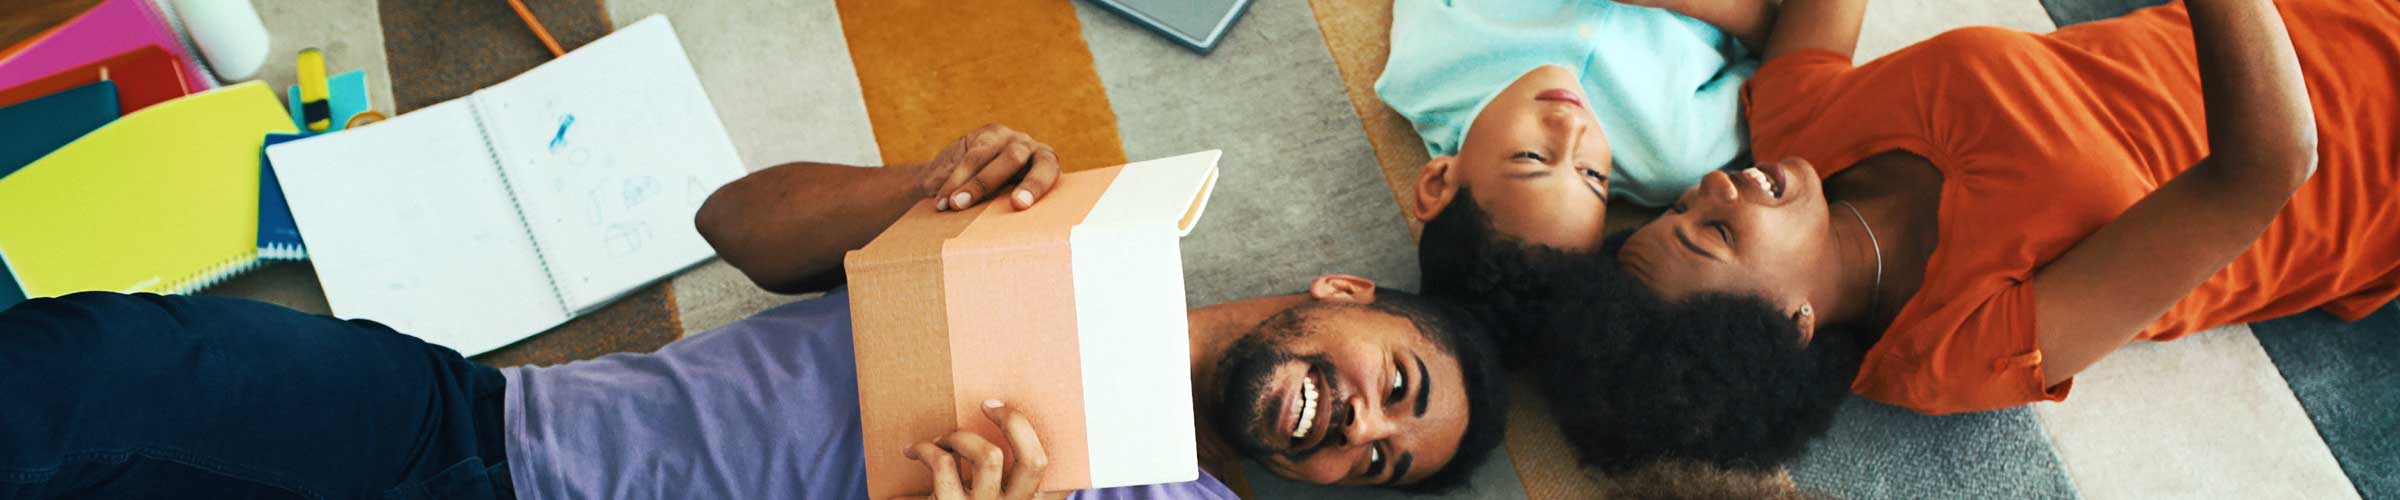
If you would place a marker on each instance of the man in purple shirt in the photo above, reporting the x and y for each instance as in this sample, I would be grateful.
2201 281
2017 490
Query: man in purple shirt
128 396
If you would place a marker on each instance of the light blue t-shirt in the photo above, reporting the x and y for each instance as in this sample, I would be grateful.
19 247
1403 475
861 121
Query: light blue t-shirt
1666 88
765 407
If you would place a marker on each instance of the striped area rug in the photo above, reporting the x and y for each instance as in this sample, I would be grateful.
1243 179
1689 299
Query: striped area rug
2303 407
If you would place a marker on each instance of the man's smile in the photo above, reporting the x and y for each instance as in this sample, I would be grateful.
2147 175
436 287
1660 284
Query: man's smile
1305 411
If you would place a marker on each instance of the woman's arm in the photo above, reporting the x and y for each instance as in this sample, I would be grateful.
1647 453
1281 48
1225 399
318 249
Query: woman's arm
787 227
2262 138
1745 20
1817 24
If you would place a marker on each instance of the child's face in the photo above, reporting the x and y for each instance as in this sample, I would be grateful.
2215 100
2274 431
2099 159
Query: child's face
1537 162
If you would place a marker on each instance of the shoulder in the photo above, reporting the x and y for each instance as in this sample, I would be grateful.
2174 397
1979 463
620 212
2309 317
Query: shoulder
833 307
820 323
1987 52
1973 352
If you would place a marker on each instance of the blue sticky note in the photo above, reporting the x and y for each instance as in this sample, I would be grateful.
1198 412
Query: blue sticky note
345 93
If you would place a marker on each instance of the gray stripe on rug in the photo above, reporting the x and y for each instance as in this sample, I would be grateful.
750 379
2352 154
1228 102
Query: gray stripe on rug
1882 451
2347 375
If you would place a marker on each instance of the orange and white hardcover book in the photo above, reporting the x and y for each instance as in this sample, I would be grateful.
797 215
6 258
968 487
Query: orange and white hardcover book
1071 311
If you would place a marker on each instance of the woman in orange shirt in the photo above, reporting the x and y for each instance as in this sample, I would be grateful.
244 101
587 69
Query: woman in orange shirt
1966 223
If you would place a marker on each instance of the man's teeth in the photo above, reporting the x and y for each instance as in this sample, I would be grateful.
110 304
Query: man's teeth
1764 182
1308 407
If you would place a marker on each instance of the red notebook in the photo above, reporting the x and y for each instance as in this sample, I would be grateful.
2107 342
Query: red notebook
144 76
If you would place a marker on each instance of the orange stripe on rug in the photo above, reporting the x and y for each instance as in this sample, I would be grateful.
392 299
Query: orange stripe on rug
930 71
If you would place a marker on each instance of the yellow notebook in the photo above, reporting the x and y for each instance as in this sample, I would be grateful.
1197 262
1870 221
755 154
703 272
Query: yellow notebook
163 200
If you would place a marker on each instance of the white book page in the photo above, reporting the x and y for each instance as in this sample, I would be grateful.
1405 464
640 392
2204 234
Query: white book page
610 151
1135 352
1130 324
408 224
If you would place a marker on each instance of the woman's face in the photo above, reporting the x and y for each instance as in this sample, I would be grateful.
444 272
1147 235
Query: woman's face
1761 231
1537 162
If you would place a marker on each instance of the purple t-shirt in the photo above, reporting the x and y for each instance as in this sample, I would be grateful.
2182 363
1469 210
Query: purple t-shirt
765 407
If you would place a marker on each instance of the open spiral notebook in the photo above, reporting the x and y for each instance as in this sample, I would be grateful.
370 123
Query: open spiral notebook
483 220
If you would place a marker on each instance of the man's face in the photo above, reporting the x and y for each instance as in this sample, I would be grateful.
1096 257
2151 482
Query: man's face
1337 393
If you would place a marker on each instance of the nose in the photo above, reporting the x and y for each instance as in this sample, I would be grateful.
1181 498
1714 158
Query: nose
1718 187
1570 143
1369 424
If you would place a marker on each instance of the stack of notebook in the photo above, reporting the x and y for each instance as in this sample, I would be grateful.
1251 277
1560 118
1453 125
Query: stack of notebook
471 223
162 200
120 170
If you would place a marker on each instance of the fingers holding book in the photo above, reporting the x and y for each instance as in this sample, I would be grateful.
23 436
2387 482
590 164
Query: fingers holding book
976 167
966 466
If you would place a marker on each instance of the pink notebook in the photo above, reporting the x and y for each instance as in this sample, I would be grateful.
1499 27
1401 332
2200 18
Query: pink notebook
111 28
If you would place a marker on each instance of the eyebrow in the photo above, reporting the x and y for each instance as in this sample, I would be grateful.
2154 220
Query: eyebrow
1694 247
1424 384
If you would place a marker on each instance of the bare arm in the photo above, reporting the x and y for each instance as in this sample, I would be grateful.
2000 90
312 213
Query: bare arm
787 227
1745 20
1817 24
2262 137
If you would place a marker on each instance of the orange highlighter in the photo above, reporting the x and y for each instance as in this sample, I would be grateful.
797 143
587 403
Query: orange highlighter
313 106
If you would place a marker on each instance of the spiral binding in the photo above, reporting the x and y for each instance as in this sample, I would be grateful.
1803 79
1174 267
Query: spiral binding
217 273
475 107
282 251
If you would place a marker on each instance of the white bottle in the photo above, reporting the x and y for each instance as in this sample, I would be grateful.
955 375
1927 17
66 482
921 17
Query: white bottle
228 33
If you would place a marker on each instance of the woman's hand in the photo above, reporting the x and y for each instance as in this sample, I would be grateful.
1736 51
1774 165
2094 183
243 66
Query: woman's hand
968 467
977 165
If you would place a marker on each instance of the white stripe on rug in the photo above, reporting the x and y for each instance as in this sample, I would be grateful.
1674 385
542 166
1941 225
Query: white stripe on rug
2206 416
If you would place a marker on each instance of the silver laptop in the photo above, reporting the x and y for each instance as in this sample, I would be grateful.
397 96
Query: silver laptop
1197 24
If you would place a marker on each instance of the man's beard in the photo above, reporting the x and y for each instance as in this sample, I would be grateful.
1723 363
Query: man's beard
1244 417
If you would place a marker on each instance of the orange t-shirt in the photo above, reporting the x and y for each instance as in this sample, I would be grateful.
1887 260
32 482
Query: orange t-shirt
2042 139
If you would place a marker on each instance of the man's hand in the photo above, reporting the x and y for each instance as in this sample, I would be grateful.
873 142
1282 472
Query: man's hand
976 166
968 467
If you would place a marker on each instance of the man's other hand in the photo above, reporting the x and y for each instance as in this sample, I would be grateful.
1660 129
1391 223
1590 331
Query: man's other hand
968 467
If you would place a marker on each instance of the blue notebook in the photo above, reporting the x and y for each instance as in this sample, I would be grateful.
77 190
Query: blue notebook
32 129
278 235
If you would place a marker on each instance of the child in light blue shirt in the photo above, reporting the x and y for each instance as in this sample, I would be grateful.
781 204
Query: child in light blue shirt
1611 99
1542 111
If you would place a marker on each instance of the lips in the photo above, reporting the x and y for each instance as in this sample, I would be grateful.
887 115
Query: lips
1769 178
1560 95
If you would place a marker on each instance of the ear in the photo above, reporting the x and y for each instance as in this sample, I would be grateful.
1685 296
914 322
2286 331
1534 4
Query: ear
1804 318
1342 288
1437 184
